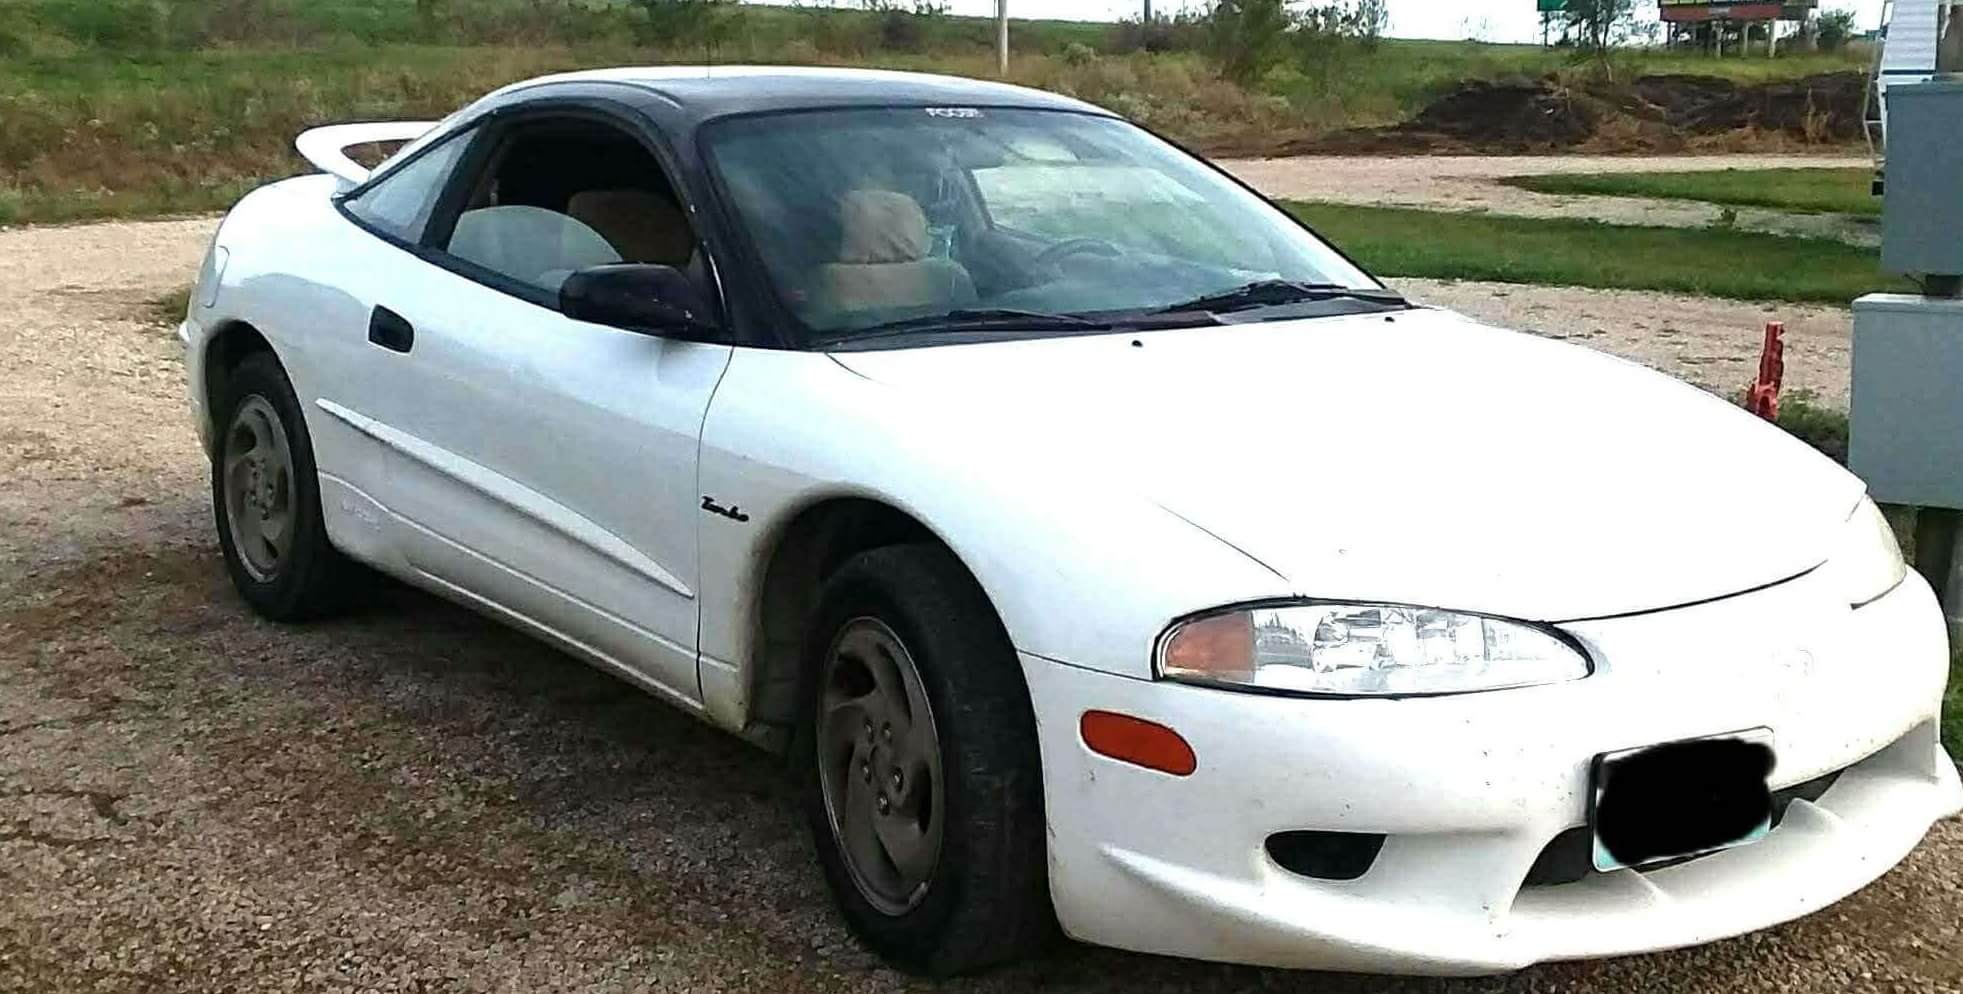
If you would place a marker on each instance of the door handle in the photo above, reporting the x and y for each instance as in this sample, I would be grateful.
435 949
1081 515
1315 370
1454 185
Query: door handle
391 331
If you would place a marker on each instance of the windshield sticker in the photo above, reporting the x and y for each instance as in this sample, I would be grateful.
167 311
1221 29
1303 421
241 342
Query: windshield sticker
962 113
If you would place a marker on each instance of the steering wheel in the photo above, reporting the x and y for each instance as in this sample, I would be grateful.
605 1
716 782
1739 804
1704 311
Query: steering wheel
1062 250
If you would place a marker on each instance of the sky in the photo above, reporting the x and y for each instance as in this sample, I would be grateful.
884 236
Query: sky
1488 20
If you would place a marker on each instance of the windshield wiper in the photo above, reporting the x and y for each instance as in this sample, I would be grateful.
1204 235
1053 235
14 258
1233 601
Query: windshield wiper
1277 293
981 320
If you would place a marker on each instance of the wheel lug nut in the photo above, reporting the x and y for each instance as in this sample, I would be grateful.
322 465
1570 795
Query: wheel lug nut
885 806
899 781
868 730
886 733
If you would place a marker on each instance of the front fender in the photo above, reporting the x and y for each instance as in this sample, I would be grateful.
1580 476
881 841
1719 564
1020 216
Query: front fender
1080 570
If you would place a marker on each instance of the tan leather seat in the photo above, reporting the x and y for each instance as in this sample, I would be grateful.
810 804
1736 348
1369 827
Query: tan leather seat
883 262
642 226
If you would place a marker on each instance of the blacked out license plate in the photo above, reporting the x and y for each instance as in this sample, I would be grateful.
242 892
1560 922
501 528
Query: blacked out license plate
1680 799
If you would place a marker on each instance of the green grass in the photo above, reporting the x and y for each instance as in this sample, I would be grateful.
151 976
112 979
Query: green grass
1560 252
1806 191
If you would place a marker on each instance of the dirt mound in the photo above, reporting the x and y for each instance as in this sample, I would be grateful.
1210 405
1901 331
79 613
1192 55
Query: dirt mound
1825 108
1651 114
1529 112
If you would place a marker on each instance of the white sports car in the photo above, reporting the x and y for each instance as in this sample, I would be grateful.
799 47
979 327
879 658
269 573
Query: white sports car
1106 550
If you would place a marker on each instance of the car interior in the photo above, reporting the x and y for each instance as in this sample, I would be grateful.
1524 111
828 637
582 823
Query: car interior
564 195
872 223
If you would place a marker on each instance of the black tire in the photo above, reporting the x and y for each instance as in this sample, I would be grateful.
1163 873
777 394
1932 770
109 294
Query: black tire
987 901
311 578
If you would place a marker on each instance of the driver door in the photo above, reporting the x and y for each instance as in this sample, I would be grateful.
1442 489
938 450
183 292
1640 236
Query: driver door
545 468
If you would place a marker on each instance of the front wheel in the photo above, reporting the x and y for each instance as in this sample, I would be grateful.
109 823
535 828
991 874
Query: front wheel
922 776
266 497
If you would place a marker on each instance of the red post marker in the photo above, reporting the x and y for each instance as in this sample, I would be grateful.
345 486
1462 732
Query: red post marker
1763 397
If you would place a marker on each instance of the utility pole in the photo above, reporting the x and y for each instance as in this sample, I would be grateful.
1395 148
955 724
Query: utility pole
1002 36
1148 11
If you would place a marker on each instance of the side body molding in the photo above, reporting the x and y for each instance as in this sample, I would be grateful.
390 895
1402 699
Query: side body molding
521 499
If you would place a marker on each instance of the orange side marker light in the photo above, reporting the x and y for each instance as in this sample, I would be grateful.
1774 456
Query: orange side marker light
1138 742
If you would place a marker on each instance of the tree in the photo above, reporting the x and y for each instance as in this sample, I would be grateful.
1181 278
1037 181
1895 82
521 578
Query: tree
1595 24
1249 37
1835 29
1371 21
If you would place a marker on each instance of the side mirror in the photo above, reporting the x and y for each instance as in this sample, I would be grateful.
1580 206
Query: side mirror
659 300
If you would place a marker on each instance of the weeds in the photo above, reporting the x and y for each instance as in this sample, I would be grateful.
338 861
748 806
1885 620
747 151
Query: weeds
1824 428
170 308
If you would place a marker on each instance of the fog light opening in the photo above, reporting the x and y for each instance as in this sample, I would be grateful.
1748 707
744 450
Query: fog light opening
1138 742
1325 855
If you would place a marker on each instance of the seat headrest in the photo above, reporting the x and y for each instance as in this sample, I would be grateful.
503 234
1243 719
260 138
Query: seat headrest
643 226
881 227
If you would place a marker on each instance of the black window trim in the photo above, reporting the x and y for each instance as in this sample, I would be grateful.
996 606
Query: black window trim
484 133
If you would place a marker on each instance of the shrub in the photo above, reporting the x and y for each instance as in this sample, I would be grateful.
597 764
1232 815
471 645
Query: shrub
1078 54
836 32
1248 37
688 23
901 31
115 24
1183 32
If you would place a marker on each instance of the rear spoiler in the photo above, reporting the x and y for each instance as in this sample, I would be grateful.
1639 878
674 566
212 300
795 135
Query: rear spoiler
327 148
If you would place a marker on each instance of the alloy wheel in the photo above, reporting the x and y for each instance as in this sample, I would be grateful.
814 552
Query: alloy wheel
258 487
879 764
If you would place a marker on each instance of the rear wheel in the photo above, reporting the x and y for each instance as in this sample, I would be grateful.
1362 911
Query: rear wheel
266 498
922 775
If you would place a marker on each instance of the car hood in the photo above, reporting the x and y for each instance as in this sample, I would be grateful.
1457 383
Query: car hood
1421 459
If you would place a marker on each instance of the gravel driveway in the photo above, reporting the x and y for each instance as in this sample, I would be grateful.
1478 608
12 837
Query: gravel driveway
414 799
1471 183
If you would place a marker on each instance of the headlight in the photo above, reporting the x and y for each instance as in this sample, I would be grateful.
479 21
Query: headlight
1365 650
1869 561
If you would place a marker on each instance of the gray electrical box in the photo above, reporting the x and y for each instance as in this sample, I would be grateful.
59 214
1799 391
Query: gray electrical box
1907 403
1922 226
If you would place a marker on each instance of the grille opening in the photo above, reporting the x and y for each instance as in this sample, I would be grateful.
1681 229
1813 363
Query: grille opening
1570 858
1325 855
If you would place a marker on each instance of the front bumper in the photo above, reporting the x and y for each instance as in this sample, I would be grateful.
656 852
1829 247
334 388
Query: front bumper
191 337
1469 791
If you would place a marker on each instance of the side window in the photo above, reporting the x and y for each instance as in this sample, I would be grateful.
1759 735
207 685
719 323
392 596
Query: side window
561 195
401 202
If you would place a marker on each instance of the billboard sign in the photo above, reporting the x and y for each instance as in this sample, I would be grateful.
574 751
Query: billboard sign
1736 10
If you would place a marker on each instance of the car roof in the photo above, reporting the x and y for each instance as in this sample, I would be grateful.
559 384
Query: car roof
706 92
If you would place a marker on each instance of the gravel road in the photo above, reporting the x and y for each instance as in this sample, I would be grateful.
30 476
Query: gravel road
414 799
1712 343
1471 183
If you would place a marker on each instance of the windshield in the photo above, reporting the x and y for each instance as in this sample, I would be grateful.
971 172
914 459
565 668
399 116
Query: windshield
870 219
